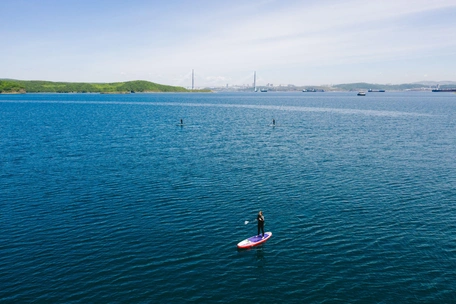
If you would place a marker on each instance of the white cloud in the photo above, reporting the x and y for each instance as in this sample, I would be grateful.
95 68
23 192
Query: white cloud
329 34
283 41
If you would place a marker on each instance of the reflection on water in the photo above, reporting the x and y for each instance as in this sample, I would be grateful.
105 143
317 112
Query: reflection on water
259 256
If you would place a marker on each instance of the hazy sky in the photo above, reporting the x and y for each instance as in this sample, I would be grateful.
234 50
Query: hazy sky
285 41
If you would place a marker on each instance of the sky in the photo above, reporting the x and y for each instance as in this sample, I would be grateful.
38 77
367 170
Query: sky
319 42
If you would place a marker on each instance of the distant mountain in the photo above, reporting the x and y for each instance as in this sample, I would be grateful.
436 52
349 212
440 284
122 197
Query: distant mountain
363 86
434 83
37 86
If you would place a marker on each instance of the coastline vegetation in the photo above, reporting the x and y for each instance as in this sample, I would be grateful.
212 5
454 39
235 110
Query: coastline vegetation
8 86
37 86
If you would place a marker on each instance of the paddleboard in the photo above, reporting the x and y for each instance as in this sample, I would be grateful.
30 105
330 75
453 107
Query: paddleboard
254 241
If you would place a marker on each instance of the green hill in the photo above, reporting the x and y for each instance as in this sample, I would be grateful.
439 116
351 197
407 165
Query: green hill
9 86
37 86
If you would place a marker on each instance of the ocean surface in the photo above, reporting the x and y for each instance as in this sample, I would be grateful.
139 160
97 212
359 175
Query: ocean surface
106 199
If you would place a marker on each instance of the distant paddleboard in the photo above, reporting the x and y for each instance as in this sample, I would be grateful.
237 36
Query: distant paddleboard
254 241
180 124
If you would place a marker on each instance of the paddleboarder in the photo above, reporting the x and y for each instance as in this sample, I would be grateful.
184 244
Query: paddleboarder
260 220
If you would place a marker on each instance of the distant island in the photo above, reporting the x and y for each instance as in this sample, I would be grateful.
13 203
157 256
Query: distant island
10 86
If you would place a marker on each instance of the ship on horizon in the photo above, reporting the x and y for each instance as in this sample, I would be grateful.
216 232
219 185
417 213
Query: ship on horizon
444 90
438 89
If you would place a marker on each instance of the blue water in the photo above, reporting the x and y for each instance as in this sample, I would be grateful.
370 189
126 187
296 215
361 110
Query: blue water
105 199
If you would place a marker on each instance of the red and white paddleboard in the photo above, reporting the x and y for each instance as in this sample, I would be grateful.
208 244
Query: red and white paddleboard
254 240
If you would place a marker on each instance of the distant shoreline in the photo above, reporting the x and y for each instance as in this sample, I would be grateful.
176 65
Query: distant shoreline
12 86
100 93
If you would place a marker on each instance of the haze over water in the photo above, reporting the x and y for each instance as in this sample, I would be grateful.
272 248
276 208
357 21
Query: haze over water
104 198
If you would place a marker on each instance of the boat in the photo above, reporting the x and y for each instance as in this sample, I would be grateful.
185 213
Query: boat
444 90
263 90
371 90
361 93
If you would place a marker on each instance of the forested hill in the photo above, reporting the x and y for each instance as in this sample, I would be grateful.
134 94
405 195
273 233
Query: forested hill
34 86
8 86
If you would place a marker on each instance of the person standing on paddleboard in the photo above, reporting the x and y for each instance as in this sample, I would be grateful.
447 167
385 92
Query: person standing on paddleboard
260 220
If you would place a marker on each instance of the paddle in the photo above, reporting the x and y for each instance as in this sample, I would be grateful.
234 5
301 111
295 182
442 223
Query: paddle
246 222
